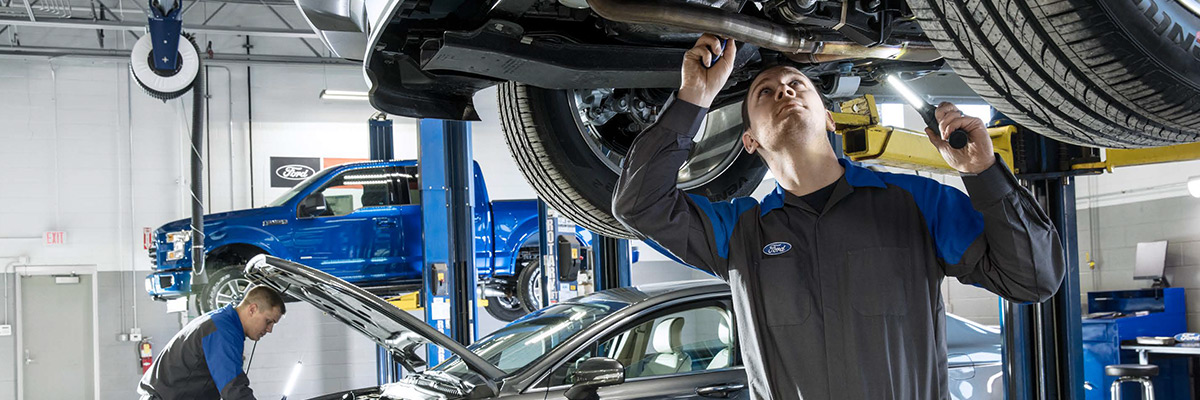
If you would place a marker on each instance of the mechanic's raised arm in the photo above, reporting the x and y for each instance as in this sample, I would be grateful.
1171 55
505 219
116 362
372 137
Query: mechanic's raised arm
646 199
999 239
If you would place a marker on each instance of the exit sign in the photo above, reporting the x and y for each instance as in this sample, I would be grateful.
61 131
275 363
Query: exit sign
55 238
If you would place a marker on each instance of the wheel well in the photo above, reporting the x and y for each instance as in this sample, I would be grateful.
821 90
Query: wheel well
235 253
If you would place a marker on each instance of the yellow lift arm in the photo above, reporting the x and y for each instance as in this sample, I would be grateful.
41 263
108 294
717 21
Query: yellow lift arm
1114 158
864 139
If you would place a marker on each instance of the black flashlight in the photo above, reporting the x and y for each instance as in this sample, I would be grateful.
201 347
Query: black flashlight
958 138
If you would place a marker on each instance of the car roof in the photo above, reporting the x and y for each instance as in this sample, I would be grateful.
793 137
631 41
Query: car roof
659 291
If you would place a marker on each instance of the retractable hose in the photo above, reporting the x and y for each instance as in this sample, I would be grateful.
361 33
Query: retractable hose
198 112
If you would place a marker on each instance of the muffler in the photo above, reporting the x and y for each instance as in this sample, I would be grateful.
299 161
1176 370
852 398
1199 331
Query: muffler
790 40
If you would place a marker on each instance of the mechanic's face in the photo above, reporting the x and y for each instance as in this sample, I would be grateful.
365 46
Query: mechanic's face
784 107
261 321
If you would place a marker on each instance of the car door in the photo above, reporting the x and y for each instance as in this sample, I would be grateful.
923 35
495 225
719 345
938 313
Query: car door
683 352
353 238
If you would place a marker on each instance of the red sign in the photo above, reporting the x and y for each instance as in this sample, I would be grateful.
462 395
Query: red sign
55 238
146 239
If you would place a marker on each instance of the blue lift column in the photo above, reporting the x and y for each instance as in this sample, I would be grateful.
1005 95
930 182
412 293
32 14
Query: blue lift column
612 262
447 202
381 148
1043 343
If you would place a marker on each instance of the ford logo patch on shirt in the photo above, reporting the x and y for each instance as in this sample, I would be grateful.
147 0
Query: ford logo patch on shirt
777 248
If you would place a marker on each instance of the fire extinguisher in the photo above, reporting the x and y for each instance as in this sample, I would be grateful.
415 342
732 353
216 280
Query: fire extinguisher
146 354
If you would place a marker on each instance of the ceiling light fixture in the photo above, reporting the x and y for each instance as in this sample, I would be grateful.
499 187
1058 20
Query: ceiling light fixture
343 95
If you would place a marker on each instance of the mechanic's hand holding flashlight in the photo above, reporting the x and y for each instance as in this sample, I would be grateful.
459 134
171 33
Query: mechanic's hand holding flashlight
702 77
977 156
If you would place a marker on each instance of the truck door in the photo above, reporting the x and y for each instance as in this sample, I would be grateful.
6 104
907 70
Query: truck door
356 235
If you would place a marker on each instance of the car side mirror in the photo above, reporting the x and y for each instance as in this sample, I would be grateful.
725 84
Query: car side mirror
313 205
595 373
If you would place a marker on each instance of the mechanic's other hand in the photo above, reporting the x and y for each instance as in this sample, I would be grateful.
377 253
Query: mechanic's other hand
977 156
700 82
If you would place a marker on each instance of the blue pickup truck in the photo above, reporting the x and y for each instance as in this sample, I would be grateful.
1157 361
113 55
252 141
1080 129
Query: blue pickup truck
360 222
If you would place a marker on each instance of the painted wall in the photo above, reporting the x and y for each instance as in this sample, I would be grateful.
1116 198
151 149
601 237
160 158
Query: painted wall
85 152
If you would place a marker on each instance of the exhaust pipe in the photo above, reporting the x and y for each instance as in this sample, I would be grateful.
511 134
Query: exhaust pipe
787 39
493 292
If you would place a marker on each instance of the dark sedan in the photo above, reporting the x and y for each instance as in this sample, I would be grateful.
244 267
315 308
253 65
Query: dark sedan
674 340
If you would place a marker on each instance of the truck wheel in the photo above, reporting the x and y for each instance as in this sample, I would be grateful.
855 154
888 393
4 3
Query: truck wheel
226 285
505 308
529 286
569 145
1112 73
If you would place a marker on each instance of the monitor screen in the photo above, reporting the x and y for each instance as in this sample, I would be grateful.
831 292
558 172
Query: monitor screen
1151 257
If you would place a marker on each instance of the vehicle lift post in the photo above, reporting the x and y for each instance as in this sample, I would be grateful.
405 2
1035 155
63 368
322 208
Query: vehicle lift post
447 202
1043 343
381 148
612 262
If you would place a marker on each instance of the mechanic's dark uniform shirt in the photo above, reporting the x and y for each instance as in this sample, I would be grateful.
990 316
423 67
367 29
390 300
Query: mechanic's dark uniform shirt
202 361
842 301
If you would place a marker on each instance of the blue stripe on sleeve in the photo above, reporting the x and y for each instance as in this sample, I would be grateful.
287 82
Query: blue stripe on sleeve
723 217
223 353
949 216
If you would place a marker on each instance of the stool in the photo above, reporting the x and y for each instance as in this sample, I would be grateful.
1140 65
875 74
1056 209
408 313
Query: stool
1132 373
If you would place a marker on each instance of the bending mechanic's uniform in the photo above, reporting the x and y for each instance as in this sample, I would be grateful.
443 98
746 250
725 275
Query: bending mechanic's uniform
202 361
842 302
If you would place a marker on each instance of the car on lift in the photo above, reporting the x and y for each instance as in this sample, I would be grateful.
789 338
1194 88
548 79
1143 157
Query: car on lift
360 222
580 79
675 340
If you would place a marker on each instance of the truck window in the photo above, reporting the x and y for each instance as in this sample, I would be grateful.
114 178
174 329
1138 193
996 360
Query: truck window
409 185
359 188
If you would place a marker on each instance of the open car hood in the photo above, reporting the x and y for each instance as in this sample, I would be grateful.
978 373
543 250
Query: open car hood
386 324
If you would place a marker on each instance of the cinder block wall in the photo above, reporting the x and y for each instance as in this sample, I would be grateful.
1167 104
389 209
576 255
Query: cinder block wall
1109 235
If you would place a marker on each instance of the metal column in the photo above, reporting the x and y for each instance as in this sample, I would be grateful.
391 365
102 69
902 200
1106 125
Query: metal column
380 147
1043 345
612 262
447 205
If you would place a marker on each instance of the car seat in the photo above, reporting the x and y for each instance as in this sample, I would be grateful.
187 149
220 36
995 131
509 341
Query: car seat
724 358
374 195
668 356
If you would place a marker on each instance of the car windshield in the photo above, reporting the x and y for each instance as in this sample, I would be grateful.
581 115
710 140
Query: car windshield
298 188
521 343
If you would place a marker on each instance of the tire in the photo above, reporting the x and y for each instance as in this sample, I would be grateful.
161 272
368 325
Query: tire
506 309
1089 72
529 286
226 284
556 159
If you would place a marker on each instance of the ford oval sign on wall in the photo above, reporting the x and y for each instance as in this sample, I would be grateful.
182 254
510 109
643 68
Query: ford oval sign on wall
295 172
777 248
288 171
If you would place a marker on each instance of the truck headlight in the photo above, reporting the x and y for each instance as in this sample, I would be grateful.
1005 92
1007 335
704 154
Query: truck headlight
149 285
178 241
179 237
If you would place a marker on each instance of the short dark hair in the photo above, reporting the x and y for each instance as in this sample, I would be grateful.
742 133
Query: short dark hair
749 92
265 297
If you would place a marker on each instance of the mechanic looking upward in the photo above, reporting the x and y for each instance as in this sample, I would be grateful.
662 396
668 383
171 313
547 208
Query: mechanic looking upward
836 274
204 360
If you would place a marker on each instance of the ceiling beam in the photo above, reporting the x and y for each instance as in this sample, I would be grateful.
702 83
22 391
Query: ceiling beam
141 27
123 55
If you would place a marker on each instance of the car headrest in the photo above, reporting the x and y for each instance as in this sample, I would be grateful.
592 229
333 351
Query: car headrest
666 335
